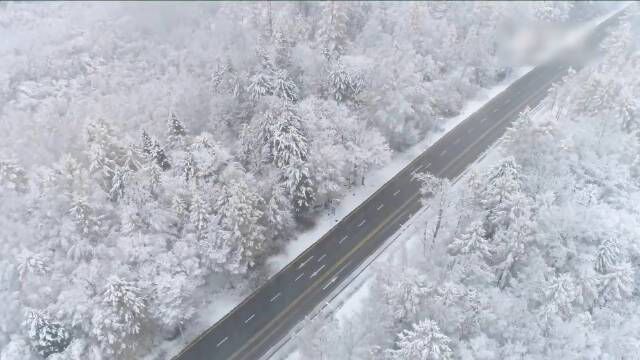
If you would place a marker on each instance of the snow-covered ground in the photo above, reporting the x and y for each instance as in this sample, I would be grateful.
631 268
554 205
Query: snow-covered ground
218 307
142 171
408 239
348 304
378 177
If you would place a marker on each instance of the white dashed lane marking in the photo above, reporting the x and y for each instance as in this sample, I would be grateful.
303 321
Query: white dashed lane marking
456 141
380 207
305 262
333 279
317 271
396 193
444 152
223 341
275 297
362 223
484 119
322 257
299 276
343 239
249 318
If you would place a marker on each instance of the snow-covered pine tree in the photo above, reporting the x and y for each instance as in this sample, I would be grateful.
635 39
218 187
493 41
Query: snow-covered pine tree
200 212
259 85
287 141
159 156
405 296
175 131
424 341
342 85
510 247
332 32
278 212
171 303
608 256
618 283
559 294
32 264
87 222
189 167
47 336
118 183
473 240
118 322
283 87
105 152
502 186
301 189
147 144
239 210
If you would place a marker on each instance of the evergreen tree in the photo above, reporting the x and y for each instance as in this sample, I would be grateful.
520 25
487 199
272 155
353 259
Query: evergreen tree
618 283
189 167
176 131
88 223
147 144
607 256
472 241
240 220
342 85
288 143
118 183
158 155
47 336
404 297
171 302
559 295
424 341
278 212
502 188
301 189
118 323
105 152
199 214
32 264
283 87
332 31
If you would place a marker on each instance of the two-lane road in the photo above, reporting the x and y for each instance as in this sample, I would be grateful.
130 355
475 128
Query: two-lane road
265 317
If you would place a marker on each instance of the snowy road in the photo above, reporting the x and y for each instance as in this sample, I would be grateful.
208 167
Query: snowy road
272 311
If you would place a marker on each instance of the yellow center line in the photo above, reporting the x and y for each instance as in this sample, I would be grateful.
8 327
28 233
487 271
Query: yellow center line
402 209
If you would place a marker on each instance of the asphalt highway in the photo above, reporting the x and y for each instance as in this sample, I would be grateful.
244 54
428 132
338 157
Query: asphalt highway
268 314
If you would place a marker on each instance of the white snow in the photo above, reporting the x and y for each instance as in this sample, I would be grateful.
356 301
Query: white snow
379 177
349 302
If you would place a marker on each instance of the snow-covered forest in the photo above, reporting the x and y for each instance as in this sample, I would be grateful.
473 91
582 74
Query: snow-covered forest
156 154
538 255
